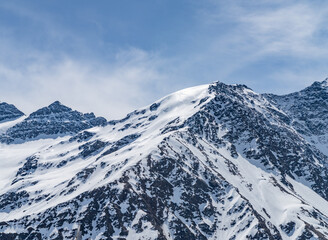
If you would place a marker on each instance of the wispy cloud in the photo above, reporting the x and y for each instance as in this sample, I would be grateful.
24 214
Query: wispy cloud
110 89
77 57
270 43
57 64
293 29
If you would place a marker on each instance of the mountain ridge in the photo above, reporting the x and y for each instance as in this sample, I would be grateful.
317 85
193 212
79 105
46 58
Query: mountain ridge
51 121
8 112
215 161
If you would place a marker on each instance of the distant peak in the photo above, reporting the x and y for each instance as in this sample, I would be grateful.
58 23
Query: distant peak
56 103
59 106
9 112
323 84
55 107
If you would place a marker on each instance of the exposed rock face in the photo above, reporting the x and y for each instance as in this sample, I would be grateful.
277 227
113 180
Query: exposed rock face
211 162
308 108
9 112
52 121
308 111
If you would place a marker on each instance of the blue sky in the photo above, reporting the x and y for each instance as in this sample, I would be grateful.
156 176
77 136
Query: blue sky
111 57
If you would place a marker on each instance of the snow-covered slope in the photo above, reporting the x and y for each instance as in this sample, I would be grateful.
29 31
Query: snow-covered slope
211 162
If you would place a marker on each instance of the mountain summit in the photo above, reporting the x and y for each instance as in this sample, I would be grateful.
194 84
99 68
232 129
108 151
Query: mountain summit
9 112
51 121
215 161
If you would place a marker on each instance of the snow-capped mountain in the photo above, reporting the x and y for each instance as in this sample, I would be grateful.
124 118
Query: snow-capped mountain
211 162
52 121
9 112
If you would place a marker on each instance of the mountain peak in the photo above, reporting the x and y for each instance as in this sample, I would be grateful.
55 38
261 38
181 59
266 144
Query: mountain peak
220 87
9 112
57 106
234 85
56 103
325 82
50 122
320 85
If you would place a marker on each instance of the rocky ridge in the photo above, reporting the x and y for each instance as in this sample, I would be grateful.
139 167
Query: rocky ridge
9 112
211 162
51 121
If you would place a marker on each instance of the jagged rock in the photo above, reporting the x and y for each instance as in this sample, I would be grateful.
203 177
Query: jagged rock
52 121
210 162
9 112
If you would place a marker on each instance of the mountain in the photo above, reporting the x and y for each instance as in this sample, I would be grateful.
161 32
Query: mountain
308 111
51 121
215 161
9 112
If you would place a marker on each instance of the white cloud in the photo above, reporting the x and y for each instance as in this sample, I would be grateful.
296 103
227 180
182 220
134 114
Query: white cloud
283 27
110 84
265 40
286 30
110 89
229 41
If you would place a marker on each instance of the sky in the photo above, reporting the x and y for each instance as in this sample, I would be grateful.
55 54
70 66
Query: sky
111 57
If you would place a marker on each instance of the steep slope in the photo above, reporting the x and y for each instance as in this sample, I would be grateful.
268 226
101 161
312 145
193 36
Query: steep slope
212 162
308 111
52 121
